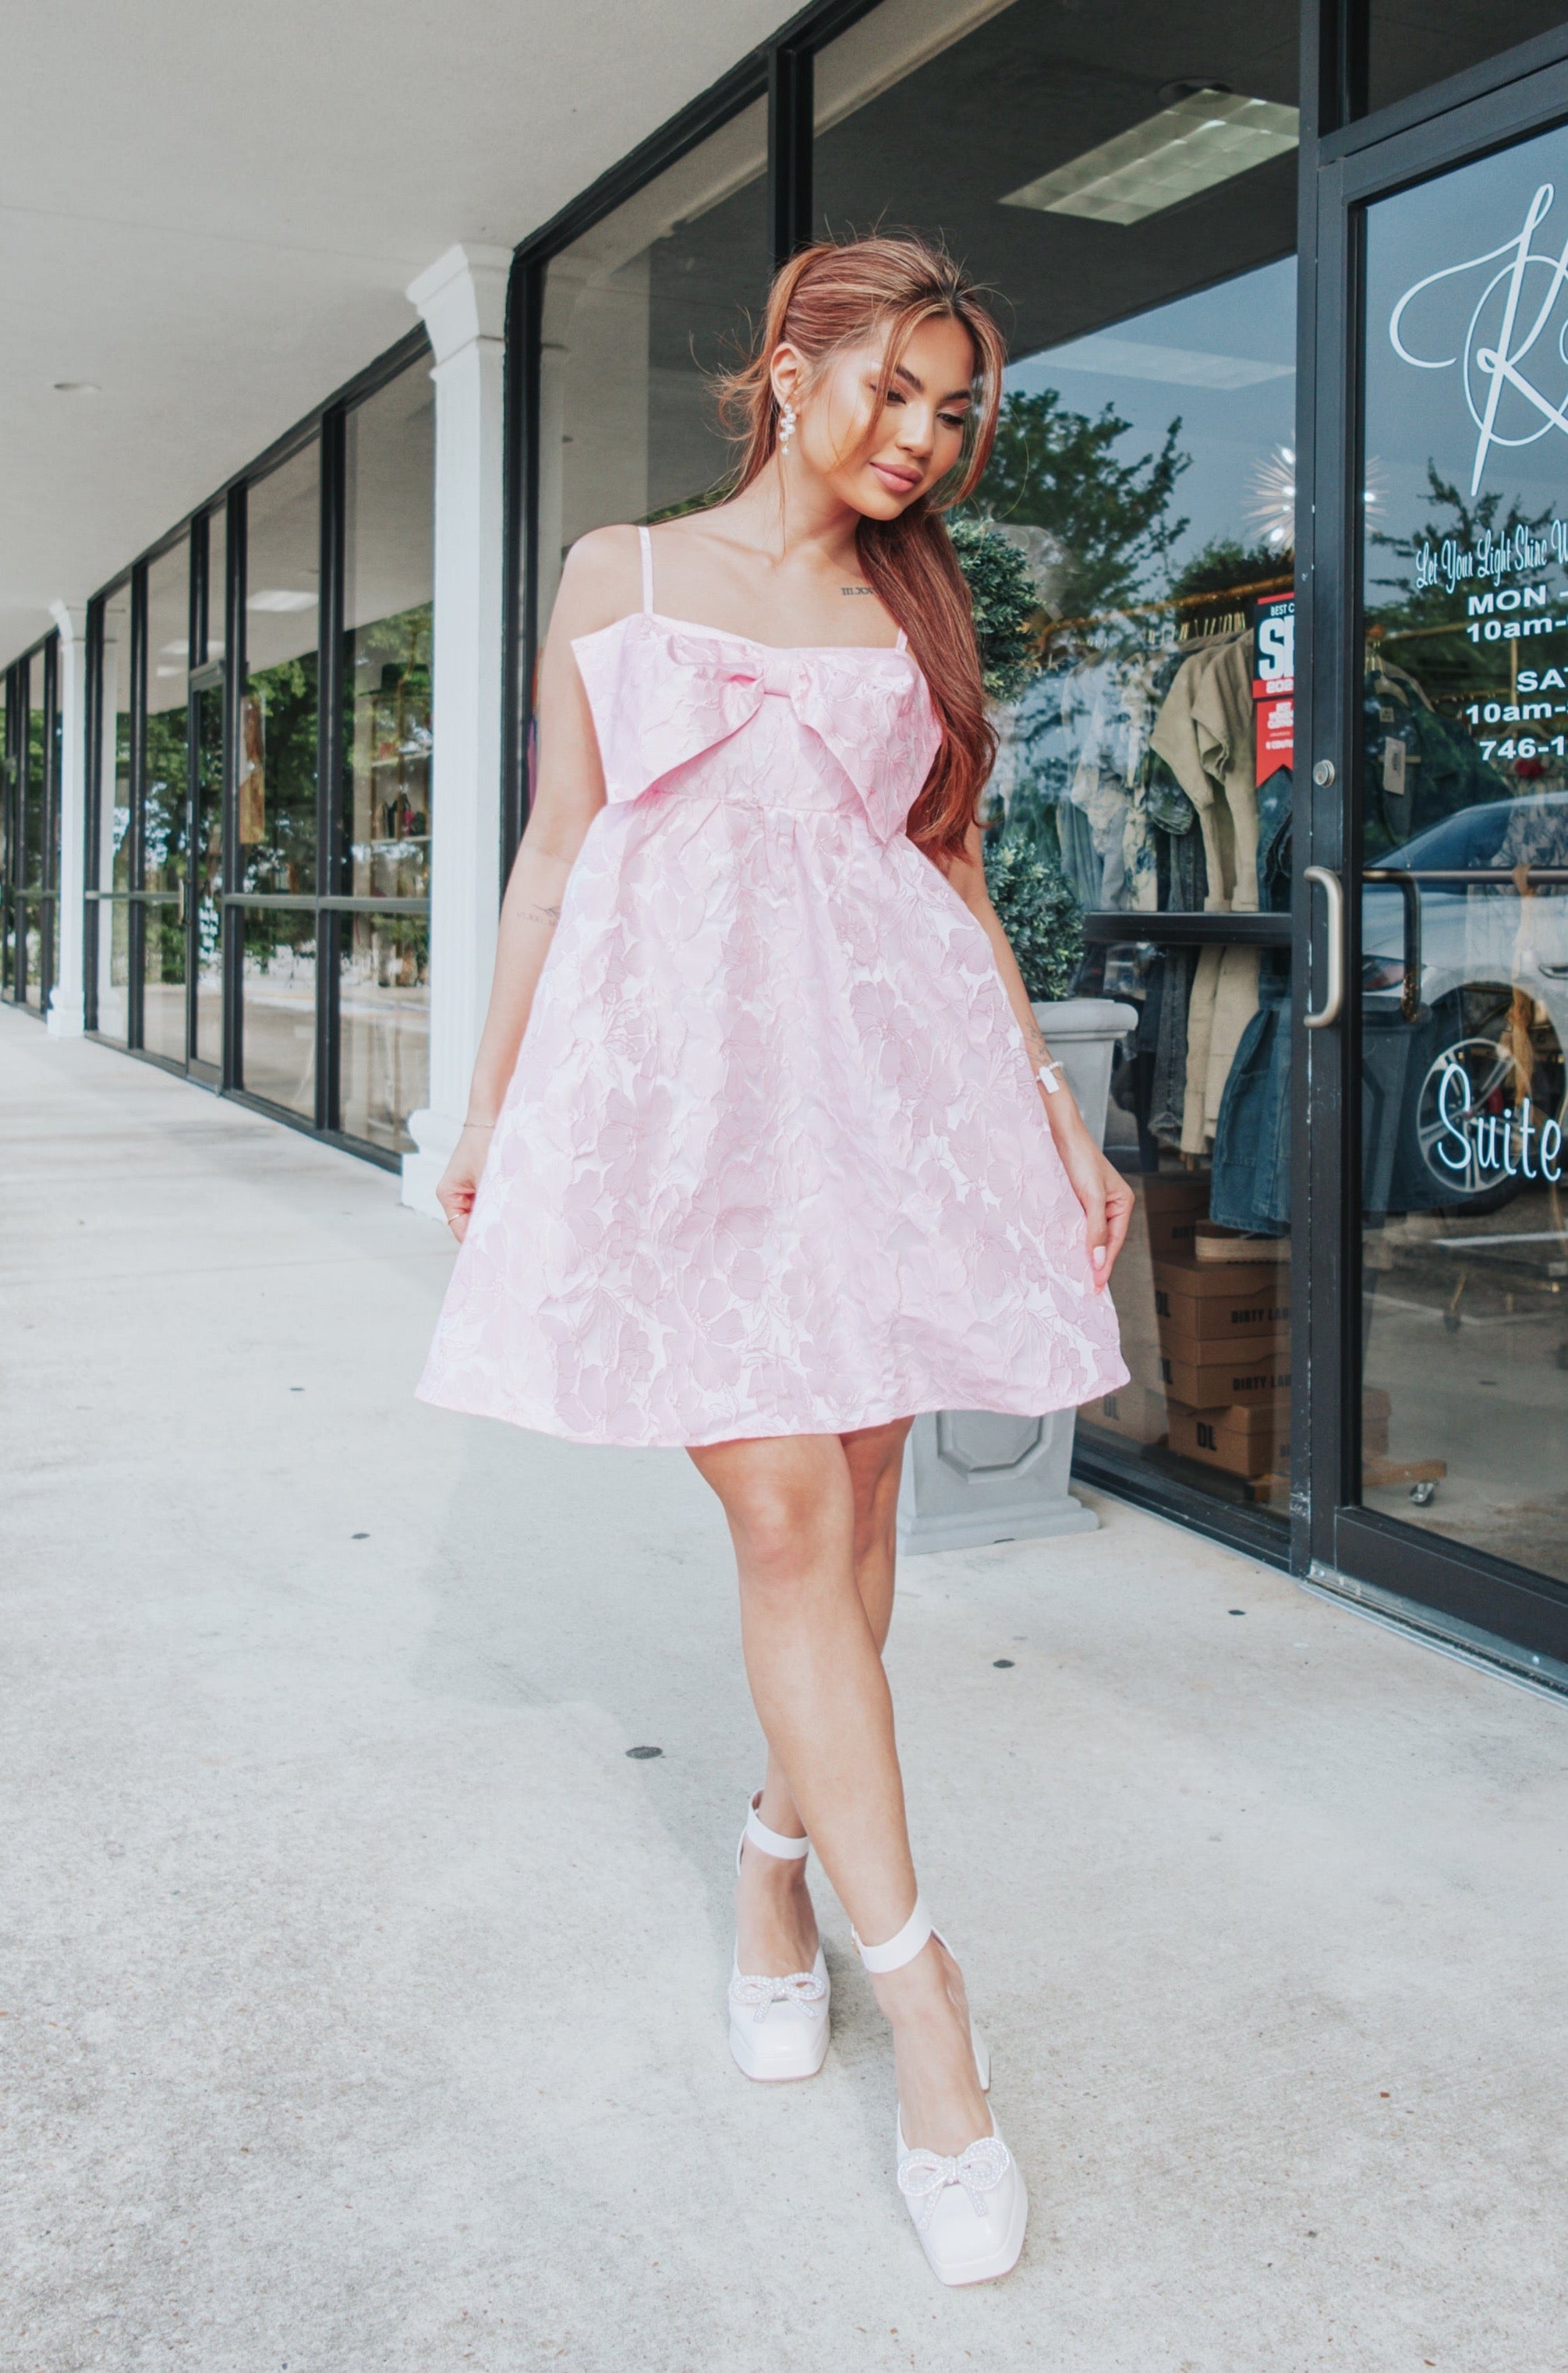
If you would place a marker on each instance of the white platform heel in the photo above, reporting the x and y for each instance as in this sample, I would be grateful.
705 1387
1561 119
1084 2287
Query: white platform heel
778 2026
970 2211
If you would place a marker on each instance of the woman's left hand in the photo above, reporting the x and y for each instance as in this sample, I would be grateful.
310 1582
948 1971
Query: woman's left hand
1104 1194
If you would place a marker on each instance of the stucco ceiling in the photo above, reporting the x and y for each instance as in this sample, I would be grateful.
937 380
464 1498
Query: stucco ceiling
211 213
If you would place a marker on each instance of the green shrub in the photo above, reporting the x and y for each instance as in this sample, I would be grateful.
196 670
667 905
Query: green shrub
1039 909
1006 605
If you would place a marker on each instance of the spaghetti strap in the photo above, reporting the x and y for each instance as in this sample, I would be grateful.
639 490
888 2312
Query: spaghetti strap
902 642
647 542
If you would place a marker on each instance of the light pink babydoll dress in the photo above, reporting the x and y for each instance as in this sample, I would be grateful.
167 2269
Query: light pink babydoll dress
773 1160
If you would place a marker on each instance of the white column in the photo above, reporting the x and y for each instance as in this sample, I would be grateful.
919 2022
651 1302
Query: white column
66 1000
462 299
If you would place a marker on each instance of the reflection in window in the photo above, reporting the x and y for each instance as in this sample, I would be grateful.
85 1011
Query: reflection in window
110 921
384 1004
1464 803
206 872
1137 523
29 835
164 803
636 312
12 832
35 776
278 1007
30 827
276 793
387 613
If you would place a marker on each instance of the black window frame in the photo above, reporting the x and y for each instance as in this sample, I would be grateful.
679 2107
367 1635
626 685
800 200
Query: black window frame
17 893
1507 1613
329 899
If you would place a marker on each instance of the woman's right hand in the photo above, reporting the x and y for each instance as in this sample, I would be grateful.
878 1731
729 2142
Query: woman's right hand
459 1179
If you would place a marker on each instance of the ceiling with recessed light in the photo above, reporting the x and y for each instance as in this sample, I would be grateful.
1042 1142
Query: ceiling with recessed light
210 215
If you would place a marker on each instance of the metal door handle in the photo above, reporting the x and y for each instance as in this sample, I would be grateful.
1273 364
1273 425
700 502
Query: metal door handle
184 915
1334 995
1410 1007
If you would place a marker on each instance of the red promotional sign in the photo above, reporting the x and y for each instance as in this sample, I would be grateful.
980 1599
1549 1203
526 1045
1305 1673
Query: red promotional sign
1273 684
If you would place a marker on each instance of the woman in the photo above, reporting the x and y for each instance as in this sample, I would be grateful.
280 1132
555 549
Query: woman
765 1153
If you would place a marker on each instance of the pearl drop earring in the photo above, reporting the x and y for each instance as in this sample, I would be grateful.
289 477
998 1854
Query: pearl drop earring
786 426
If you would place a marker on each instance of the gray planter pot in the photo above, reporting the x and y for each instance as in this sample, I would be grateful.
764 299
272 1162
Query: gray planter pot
970 1477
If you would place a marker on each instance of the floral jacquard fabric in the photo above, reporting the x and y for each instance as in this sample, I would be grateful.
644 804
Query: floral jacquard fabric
773 1160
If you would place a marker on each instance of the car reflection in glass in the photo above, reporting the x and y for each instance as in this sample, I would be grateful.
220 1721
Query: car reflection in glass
1465 1010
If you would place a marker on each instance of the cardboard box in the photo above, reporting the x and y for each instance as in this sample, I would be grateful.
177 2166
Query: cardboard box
1132 1412
1255 1440
1197 1306
1250 1441
1198 1280
1250 1377
1211 1243
1166 1207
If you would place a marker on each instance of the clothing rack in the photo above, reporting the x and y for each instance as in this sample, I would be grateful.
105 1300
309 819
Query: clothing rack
1171 602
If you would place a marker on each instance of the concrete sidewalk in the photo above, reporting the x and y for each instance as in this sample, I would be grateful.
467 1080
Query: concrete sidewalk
363 1997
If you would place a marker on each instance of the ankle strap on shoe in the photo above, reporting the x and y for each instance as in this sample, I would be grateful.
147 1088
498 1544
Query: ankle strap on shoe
773 1842
912 1938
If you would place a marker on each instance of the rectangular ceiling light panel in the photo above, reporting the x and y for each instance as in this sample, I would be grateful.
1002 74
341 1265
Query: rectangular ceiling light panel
282 599
1201 139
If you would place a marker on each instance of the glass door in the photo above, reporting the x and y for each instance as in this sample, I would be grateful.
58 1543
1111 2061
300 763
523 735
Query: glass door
1444 767
164 899
205 951
180 893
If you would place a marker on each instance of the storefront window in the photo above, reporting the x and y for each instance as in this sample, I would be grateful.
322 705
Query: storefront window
13 890
275 795
218 583
30 917
388 610
29 828
165 803
279 1018
383 996
638 313
277 818
10 841
385 1021
207 870
222 892
1138 226
1464 846
1412 44
110 917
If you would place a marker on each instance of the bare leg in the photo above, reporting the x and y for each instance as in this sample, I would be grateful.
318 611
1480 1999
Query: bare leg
813 1661
775 1927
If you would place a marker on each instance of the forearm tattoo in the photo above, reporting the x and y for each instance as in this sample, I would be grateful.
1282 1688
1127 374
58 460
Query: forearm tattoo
550 914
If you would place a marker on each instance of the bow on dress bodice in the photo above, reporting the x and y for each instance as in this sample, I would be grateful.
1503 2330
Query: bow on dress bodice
662 693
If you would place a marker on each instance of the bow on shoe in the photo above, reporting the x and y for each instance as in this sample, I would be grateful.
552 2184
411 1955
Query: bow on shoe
759 1994
923 2176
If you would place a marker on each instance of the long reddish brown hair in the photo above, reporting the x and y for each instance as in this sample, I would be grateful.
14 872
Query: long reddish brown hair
839 295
